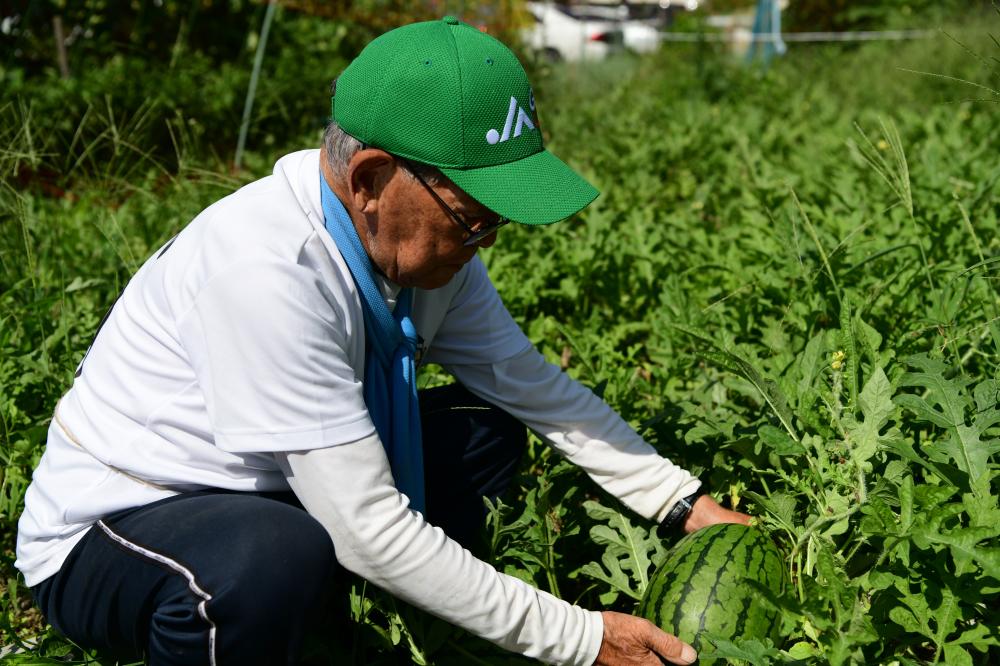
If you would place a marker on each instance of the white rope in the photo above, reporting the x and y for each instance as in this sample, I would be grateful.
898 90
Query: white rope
858 36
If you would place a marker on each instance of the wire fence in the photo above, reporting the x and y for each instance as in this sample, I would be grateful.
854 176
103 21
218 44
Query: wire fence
745 36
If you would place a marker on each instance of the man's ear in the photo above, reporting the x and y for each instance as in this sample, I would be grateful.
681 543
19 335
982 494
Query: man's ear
368 174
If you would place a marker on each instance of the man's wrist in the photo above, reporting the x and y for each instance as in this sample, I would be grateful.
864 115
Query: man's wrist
681 509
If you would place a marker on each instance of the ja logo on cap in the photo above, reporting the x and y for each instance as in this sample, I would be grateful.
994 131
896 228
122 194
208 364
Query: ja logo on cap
514 110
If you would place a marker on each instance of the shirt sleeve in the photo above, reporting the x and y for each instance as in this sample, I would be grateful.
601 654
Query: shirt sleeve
476 327
583 428
349 490
268 342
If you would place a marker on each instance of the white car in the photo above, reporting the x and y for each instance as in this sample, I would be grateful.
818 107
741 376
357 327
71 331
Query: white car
558 35
640 36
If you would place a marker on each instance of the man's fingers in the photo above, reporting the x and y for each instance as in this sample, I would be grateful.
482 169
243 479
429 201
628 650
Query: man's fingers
670 647
634 641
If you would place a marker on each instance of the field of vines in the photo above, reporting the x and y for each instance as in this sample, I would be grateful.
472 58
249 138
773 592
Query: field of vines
789 285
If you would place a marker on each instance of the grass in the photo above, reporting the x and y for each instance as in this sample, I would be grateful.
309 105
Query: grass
778 262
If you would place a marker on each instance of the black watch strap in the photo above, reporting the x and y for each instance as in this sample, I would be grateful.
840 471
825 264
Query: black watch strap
681 509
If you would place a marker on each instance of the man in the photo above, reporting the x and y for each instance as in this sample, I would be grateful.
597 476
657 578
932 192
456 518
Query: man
271 347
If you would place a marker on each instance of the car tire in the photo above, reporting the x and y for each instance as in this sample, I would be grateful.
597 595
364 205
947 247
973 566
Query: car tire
551 55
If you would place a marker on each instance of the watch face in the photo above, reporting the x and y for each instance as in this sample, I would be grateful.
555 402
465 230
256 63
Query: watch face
681 509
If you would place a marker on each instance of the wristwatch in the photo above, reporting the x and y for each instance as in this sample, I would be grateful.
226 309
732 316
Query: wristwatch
681 509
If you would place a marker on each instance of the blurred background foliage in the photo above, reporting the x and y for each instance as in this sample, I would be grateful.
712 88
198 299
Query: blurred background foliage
821 15
152 80
162 30
171 75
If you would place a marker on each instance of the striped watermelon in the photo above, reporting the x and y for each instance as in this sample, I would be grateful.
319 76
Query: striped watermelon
700 587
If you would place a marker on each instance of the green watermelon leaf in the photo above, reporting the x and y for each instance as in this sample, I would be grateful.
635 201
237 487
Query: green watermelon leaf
751 650
877 406
801 651
778 441
629 551
617 579
971 455
780 506
735 363
955 655
980 637
987 396
982 509
944 404
923 410
905 450
963 544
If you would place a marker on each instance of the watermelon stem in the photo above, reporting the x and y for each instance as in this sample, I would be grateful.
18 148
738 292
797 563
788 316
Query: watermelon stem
799 577
550 561
862 496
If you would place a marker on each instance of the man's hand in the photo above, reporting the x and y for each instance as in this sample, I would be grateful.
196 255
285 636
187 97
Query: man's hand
632 640
706 511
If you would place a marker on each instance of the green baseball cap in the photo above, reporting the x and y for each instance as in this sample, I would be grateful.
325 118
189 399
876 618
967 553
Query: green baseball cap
447 94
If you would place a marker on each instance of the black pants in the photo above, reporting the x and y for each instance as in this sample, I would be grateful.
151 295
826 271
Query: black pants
218 577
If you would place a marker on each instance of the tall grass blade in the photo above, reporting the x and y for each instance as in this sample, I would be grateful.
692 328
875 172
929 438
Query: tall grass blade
819 246
897 175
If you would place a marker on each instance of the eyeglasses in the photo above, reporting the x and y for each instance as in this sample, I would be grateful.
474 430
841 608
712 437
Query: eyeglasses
474 235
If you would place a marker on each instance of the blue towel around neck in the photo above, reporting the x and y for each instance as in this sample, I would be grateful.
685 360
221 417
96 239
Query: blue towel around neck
390 373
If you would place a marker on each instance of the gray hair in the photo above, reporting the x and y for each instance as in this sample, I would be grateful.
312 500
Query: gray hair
340 147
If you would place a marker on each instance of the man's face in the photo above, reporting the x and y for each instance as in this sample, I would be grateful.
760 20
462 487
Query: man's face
416 243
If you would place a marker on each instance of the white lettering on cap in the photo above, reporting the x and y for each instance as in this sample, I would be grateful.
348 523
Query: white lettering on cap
514 111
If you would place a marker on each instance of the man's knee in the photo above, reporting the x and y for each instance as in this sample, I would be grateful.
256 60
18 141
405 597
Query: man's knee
267 585
287 559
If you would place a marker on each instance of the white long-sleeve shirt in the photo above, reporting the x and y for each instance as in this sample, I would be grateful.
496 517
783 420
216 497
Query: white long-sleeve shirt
349 490
235 359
